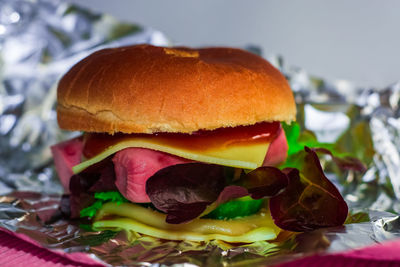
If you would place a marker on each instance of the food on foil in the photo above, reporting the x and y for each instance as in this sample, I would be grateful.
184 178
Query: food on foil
189 144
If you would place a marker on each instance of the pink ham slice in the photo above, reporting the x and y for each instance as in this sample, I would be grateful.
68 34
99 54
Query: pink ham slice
133 166
277 151
66 155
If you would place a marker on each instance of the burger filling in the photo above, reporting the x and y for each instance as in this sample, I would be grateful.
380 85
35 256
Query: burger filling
210 185
137 157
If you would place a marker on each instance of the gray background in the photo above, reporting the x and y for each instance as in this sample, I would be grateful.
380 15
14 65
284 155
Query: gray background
354 40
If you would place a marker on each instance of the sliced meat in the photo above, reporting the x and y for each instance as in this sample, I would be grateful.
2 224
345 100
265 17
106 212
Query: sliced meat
66 155
277 151
133 166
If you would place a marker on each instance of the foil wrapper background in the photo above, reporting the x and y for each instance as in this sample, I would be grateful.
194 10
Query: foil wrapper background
40 40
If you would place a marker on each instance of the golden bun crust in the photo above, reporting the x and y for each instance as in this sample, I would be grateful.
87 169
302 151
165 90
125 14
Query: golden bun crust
147 89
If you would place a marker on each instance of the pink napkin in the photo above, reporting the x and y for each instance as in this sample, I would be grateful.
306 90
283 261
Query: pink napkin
19 250
380 255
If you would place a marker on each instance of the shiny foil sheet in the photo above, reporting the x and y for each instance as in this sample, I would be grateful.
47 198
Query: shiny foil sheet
40 40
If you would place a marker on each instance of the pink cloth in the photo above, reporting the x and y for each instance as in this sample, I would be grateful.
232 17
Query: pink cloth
19 250
379 255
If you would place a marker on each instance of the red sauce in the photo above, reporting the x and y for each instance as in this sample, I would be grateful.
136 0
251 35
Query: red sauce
202 140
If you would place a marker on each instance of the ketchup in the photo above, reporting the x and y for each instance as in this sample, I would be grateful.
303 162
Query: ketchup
95 143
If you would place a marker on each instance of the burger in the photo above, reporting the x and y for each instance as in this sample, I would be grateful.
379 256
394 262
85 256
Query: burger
177 143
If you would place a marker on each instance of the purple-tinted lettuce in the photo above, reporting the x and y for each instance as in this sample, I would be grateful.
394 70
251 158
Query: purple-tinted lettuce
98 178
310 201
184 191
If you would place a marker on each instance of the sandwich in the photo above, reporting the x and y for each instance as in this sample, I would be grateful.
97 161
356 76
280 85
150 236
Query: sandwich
185 144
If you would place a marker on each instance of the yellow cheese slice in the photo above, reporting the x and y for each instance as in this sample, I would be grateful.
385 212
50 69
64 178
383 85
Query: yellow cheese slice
240 155
132 217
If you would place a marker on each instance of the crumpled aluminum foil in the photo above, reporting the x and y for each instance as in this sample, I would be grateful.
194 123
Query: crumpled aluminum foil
41 39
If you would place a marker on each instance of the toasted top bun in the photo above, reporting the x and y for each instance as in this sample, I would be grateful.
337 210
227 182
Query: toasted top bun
147 89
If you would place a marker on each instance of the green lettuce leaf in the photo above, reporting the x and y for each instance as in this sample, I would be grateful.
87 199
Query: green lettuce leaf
298 139
102 197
